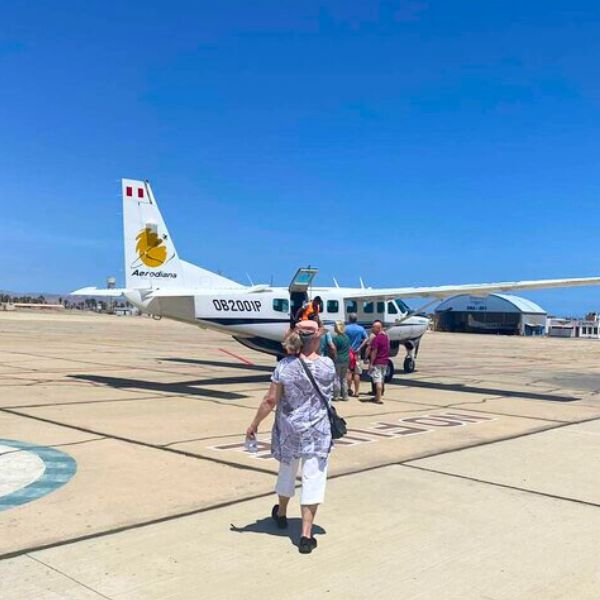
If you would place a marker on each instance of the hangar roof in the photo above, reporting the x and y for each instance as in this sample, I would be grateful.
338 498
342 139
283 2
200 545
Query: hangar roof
491 303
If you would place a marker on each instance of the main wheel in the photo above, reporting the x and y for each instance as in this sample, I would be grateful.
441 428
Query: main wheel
389 371
409 364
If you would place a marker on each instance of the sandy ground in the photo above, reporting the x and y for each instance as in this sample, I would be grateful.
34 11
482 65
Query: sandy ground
477 478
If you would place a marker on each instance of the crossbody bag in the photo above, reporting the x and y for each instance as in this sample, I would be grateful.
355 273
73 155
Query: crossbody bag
338 425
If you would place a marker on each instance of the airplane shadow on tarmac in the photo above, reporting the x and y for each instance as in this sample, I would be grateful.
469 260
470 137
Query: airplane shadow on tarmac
195 387
451 387
221 363
267 526
186 388
402 381
469 389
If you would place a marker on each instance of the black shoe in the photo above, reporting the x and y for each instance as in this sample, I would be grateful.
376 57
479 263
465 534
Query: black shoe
281 521
307 545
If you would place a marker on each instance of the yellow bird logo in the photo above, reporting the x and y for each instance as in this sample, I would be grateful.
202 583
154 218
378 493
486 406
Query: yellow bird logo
150 248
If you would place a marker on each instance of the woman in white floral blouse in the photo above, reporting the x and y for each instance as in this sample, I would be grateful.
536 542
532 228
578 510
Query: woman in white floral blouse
301 435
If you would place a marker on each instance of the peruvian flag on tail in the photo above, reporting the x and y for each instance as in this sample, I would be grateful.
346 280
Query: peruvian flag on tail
135 191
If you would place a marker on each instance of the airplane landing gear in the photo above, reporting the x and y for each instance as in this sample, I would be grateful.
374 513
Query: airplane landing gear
412 349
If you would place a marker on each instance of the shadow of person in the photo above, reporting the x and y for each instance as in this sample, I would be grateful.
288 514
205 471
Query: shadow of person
268 526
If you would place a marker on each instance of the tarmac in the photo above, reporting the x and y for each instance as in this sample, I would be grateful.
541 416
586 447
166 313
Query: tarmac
123 473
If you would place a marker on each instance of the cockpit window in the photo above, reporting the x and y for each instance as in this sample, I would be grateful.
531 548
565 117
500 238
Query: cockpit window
402 306
392 308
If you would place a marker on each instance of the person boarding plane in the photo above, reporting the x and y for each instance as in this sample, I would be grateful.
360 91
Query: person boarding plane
159 282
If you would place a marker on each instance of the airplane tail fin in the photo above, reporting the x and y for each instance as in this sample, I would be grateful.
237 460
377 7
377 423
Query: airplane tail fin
151 259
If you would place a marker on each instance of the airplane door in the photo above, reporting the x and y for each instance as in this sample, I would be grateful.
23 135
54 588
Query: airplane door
299 285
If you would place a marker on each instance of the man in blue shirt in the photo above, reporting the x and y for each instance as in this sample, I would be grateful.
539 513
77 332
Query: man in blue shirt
358 340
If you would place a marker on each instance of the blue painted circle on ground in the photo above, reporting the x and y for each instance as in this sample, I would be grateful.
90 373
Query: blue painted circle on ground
59 468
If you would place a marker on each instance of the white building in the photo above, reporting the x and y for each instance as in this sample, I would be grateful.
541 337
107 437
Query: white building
588 328
582 328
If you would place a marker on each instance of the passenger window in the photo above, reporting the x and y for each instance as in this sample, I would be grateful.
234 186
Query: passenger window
380 307
392 310
351 306
368 307
333 306
281 305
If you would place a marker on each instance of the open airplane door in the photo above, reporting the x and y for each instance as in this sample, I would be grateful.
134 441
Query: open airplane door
299 286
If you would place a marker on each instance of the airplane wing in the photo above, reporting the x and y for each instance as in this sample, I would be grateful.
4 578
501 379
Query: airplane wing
170 292
177 292
94 291
474 289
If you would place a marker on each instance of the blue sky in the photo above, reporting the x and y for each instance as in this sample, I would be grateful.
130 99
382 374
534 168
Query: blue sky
410 142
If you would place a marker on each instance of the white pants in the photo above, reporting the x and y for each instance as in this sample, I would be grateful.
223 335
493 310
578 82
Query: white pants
314 477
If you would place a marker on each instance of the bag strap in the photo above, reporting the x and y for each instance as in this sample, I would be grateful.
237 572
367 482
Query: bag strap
314 383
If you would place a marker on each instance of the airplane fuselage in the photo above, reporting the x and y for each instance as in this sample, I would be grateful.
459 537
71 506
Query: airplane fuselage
259 319
161 283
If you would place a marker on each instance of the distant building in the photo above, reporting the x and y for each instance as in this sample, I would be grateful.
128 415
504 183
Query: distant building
37 306
561 327
125 311
496 313
589 327
578 328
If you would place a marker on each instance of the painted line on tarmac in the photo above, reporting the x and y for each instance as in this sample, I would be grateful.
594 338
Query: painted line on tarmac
56 470
220 505
240 358
376 432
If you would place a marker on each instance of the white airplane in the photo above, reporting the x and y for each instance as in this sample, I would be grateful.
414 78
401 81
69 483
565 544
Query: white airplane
160 283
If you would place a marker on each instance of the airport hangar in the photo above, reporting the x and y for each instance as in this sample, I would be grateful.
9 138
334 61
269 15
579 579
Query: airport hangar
496 313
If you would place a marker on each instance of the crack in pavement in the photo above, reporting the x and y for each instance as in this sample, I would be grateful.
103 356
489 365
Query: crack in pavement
83 585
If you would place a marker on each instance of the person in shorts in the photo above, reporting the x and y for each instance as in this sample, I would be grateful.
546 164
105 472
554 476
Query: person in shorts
357 335
379 354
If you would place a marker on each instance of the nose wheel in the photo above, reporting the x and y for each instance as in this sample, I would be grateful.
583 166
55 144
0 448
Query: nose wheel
412 350
409 364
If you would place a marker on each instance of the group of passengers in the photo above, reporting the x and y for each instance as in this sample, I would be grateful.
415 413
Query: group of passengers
352 351
319 366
